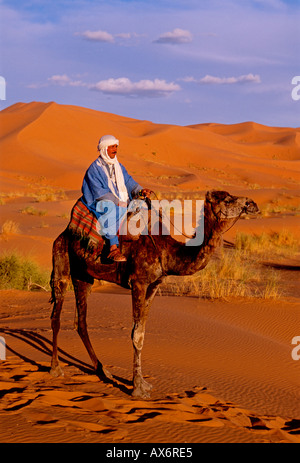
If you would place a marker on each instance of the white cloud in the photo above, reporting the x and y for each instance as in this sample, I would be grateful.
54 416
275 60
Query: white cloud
212 80
144 88
125 35
59 79
174 37
103 36
97 36
65 80
124 86
120 86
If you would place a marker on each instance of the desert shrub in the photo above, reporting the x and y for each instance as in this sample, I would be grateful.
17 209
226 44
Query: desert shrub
33 211
282 242
17 272
10 228
232 274
49 194
275 208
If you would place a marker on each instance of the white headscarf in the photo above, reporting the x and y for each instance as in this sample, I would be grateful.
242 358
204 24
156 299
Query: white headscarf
104 142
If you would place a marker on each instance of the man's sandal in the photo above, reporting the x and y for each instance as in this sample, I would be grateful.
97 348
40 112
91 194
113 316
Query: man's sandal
116 256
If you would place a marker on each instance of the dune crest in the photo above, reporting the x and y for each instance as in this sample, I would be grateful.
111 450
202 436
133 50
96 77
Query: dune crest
60 141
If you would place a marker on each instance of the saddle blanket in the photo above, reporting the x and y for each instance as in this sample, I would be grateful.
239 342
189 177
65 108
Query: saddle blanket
84 223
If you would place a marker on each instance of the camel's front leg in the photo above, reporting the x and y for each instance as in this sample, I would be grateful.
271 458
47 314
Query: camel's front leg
141 388
82 289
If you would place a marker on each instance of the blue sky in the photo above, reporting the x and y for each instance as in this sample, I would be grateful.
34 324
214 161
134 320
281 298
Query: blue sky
169 61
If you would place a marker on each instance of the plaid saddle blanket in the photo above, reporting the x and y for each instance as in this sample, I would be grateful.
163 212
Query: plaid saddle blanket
84 223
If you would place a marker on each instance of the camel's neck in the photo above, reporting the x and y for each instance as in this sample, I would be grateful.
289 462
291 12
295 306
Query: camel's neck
187 260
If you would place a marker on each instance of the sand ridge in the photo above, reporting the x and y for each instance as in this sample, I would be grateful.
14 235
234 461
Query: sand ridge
222 371
45 138
71 408
46 149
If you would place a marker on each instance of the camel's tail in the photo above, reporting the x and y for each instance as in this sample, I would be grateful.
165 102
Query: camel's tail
60 275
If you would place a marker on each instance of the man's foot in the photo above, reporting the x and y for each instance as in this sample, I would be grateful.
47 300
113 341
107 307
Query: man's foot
116 255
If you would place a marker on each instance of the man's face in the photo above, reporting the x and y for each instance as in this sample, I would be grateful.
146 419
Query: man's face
112 151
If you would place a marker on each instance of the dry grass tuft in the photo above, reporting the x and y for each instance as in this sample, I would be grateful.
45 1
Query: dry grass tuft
266 244
230 276
38 193
239 272
33 211
276 208
9 228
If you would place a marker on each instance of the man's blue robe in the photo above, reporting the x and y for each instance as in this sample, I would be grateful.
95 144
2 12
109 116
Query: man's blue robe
102 201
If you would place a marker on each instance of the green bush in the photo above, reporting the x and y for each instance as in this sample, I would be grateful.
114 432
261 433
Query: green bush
17 272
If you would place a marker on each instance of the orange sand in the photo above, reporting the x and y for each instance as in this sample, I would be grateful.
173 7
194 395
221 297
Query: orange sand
221 371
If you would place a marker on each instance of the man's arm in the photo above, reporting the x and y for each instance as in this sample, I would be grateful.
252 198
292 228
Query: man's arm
95 187
134 189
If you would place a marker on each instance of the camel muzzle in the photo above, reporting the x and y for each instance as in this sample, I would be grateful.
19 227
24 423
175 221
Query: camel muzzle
251 208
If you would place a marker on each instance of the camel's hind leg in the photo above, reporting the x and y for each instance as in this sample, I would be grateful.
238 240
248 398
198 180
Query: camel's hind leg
59 283
82 290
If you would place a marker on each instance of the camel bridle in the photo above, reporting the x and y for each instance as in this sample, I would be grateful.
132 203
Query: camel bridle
218 215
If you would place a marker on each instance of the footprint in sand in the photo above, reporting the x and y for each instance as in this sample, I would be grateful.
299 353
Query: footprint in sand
54 404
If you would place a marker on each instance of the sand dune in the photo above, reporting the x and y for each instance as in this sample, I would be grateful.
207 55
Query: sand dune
59 142
222 371
188 345
46 147
266 138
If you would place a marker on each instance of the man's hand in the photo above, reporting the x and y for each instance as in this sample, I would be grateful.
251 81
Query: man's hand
146 193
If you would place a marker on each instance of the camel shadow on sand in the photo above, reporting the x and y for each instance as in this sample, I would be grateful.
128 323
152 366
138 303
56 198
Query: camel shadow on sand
42 344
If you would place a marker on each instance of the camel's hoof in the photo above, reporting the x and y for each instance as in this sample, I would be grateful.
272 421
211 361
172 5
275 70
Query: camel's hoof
141 389
103 374
56 371
138 393
107 374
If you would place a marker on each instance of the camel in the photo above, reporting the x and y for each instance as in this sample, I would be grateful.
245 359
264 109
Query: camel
150 259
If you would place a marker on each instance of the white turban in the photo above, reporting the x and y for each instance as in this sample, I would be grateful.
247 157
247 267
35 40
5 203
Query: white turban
107 140
104 142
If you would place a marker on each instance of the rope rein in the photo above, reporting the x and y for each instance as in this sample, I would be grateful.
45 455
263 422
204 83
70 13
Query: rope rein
172 223
217 216
221 212
148 202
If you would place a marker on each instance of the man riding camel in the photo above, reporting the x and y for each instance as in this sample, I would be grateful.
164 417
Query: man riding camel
107 190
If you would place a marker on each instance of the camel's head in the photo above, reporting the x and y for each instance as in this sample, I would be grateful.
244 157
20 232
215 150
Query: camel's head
226 206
